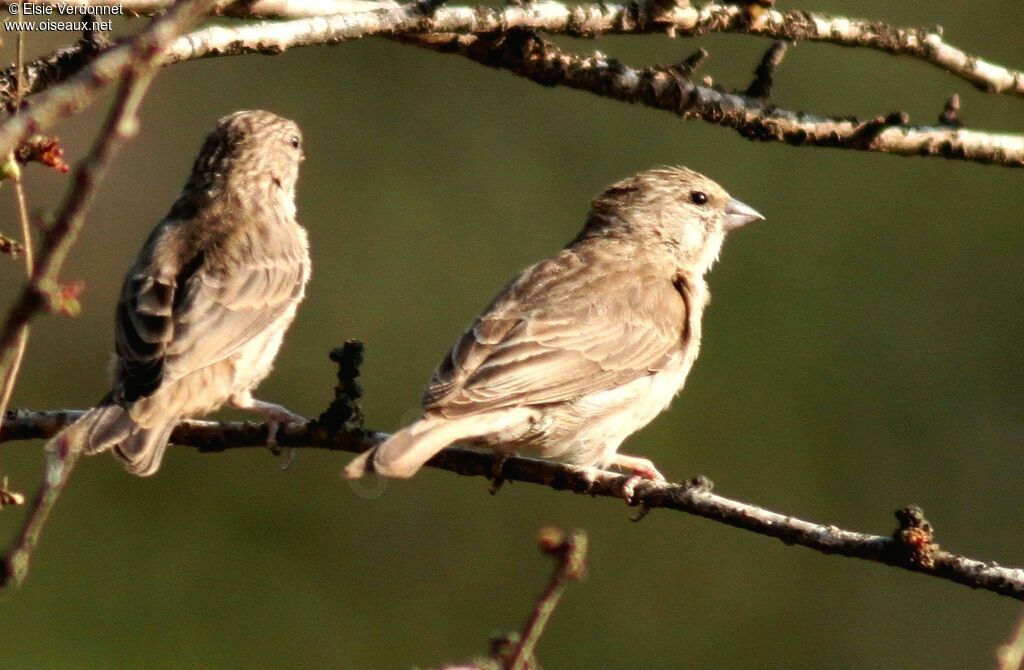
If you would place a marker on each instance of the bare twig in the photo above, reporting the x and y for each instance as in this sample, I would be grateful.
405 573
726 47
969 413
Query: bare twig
9 376
121 123
689 65
570 554
9 498
906 550
761 87
10 246
590 20
1010 655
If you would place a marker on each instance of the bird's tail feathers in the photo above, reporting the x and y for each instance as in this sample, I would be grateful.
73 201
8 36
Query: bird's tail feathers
405 452
143 451
110 426
103 427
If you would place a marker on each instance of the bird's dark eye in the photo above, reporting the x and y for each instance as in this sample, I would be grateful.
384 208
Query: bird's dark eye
698 197
295 141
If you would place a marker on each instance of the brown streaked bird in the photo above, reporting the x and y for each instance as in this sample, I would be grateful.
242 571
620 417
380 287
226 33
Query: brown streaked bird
205 307
587 347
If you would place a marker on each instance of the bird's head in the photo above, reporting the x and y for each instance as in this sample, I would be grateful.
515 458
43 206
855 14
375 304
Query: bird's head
676 211
250 152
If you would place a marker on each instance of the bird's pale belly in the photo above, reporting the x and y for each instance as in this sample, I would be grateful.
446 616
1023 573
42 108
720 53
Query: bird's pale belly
590 430
255 360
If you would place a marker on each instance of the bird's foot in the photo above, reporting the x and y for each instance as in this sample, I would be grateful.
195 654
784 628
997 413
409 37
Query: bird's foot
642 469
276 416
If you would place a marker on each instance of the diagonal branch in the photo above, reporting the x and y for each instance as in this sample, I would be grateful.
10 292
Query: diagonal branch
121 123
911 547
651 16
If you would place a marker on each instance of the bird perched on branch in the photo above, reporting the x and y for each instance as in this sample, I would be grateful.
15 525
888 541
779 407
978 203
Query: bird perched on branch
587 347
205 306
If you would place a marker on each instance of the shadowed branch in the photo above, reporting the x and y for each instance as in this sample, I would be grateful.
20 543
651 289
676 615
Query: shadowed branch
911 547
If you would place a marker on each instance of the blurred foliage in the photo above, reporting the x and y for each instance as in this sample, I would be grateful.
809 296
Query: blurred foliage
862 352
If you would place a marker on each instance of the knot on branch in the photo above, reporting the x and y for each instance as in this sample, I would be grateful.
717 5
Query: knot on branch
10 246
8 497
915 537
42 149
868 132
950 115
655 15
344 413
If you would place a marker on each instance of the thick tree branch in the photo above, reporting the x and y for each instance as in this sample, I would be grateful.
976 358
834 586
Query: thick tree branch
911 547
591 20
527 55
501 43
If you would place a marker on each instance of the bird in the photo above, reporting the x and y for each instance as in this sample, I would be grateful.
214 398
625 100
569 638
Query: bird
585 348
205 306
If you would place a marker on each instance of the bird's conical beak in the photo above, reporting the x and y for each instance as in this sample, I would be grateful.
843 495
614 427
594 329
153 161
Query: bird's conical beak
738 214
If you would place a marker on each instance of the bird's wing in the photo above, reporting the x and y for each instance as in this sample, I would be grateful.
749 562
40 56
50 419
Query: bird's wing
175 318
561 331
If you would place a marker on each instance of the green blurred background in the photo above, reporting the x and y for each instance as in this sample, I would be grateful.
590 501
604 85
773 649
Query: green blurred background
863 351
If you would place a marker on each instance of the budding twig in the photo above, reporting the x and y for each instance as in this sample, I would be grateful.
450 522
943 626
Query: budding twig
570 554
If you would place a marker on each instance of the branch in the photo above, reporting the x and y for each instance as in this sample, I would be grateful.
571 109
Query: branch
910 548
524 54
591 20
320 24
527 55
570 554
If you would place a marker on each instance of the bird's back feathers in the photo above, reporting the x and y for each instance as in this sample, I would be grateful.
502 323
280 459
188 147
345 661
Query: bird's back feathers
536 345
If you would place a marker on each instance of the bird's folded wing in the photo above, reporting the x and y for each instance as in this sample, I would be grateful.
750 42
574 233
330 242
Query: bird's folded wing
172 323
545 341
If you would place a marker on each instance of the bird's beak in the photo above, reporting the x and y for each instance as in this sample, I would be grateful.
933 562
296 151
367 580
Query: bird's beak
738 214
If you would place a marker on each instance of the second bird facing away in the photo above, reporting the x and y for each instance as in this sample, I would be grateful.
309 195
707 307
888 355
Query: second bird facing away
205 307
587 347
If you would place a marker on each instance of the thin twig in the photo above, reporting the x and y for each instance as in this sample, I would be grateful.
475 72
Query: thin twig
121 124
1010 655
570 554
761 87
11 377
909 549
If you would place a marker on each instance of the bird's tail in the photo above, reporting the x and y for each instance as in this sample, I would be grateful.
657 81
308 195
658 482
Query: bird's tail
405 452
109 426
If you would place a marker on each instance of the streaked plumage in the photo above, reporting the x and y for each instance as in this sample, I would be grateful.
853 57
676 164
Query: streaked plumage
205 306
585 348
